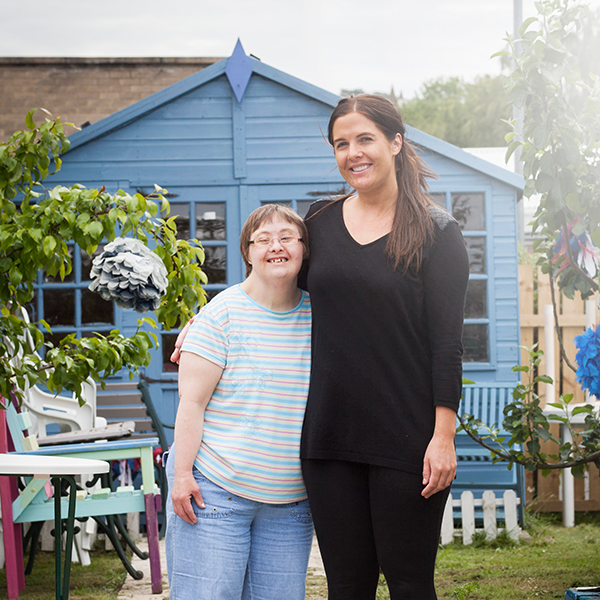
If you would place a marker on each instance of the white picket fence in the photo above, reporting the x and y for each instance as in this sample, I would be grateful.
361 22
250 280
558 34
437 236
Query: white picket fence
489 504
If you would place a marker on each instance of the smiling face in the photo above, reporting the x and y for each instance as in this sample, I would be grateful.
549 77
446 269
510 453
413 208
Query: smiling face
365 157
276 262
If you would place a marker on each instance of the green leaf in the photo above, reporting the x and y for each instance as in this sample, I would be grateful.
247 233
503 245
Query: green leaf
578 410
15 275
49 245
544 183
511 148
29 122
96 230
525 25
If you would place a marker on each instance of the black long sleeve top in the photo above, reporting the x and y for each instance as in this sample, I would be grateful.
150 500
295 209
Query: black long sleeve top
386 345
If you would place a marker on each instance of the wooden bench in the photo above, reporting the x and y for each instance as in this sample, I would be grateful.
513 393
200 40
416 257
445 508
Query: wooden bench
475 471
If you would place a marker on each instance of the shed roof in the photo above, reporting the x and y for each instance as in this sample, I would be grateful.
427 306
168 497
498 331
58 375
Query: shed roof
139 109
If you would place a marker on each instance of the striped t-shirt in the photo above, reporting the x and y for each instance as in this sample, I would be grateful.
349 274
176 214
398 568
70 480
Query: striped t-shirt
252 424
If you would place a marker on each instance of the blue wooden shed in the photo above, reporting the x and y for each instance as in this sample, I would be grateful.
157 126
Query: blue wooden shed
240 133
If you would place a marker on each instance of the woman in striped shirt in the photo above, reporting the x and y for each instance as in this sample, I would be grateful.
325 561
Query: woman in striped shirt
239 524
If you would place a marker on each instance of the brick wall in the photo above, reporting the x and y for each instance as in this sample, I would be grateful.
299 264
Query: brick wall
81 90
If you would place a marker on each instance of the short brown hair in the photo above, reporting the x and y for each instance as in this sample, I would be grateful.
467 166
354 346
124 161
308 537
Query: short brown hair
265 214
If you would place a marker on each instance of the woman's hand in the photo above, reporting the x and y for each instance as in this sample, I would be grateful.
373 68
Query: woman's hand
176 355
439 464
185 491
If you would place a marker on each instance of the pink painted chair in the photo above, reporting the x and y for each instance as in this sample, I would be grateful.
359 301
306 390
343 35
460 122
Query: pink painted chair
32 505
13 539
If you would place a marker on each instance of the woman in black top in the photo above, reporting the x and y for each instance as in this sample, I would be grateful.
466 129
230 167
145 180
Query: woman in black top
387 278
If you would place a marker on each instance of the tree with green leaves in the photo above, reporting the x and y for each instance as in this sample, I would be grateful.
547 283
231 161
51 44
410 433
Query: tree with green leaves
464 114
560 137
557 85
36 226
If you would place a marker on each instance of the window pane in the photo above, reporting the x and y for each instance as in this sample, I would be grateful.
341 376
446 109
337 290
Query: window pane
476 302
31 308
168 343
303 206
59 307
476 251
94 309
475 343
181 212
469 211
86 262
215 264
210 294
439 199
210 220
55 338
56 278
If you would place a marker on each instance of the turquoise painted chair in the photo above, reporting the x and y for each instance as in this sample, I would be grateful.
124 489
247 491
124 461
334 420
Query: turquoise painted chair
33 504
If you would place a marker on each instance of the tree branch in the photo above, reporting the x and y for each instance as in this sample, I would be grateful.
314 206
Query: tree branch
557 327
538 464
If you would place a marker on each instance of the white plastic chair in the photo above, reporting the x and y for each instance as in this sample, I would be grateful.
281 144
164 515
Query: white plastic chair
61 410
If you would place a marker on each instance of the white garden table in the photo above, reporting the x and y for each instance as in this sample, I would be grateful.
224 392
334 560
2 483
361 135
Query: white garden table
58 468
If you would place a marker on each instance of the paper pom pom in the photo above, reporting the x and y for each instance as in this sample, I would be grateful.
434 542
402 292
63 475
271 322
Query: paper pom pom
130 274
588 360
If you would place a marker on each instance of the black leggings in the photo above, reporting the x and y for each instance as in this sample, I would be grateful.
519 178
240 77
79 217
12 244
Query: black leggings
367 517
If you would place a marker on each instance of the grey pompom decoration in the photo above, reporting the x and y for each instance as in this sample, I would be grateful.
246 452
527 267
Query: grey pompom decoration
130 274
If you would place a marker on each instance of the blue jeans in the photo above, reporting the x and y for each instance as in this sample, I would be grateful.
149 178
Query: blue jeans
238 549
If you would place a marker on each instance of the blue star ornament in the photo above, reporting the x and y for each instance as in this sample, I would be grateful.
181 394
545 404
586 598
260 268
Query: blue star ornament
239 71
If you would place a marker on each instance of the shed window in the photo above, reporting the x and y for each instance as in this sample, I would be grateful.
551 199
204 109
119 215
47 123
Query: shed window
215 264
476 251
209 226
210 221
468 208
469 211
67 305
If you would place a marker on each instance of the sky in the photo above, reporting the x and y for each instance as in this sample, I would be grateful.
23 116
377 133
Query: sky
334 44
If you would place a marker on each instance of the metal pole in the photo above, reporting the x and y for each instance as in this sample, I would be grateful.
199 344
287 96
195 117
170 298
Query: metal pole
518 115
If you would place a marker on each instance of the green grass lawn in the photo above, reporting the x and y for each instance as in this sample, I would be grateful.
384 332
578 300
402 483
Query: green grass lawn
554 560
542 569
101 580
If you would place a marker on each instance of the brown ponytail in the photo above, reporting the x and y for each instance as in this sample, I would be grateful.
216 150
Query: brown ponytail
412 227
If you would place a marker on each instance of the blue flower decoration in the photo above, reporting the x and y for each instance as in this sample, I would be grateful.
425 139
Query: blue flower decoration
588 360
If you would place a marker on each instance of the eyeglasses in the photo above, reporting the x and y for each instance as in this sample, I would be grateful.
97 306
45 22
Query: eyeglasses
286 240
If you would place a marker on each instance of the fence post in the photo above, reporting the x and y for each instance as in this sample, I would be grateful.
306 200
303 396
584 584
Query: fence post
467 508
511 522
489 515
447 534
